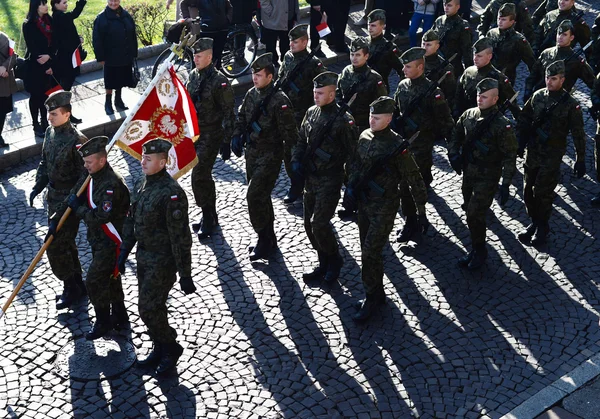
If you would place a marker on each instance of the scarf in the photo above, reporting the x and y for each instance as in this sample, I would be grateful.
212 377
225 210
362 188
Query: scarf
43 24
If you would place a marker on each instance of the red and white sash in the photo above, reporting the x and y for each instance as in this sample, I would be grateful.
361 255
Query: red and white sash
108 228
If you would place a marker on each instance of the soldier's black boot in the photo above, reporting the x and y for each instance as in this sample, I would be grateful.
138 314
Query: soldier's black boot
464 261
108 105
525 236
319 272
169 358
294 193
541 234
119 317
369 305
334 266
410 230
264 246
102 325
208 224
595 201
70 296
153 357
479 257
119 101
79 282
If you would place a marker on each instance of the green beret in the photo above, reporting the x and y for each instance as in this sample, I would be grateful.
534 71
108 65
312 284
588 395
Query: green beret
412 54
565 25
298 31
202 44
328 78
447 1
58 99
158 145
359 43
262 62
383 104
508 9
487 84
375 15
482 44
93 146
431 35
555 68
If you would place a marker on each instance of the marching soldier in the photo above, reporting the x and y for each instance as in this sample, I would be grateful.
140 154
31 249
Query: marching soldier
455 36
543 126
595 111
575 65
382 53
296 64
359 78
509 46
466 92
328 138
595 55
158 222
273 131
487 142
421 107
61 171
380 162
545 31
104 208
521 17
436 65
214 101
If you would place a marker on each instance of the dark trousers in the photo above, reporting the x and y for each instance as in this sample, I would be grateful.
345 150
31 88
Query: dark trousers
337 19
315 19
36 107
219 38
270 38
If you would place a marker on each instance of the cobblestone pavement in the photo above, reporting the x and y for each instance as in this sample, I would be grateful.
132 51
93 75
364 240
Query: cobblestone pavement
261 343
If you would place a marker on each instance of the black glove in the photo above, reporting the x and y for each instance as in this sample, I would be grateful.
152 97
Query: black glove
579 169
504 194
349 200
456 163
237 145
187 285
297 170
123 255
225 151
73 201
51 229
595 110
424 223
32 196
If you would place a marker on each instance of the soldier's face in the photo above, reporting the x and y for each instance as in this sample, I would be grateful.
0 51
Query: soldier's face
58 117
324 95
505 22
358 58
94 163
483 58
413 70
380 121
298 45
564 39
203 59
153 163
451 8
431 47
261 78
487 99
565 4
555 83
376 28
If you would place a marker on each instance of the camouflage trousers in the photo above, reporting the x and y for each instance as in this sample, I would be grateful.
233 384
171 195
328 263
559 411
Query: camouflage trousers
478 188
207 149
375 222
62 252
424 160
540 182
156 275
102 288
262 171
321 197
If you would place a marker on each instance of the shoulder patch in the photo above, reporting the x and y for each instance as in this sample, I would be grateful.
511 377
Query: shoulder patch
284 107
578 107
351 122
109 192
506 80
508 126
174 198
438 96
78 146
380 82
319 64
223 84
106 206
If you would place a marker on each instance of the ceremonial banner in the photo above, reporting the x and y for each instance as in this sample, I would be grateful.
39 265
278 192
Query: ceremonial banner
76 58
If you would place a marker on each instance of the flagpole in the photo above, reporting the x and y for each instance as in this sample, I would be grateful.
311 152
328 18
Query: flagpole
176 50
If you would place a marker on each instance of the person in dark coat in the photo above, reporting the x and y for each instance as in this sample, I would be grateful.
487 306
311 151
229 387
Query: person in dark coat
8 86
115 45
66 40
37 31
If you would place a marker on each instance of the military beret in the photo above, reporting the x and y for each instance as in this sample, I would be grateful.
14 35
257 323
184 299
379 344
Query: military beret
487 84
383 104
202 44
359 43
158 145
298 31
482 44
449 1
375 15
262 61
555 68
565 25
430 35
58 99
508 9
412 54
93 146
328 78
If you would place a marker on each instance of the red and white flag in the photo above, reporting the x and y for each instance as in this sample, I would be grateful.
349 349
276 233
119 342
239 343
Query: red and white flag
57 88
11 47
323 29
168 113
76 58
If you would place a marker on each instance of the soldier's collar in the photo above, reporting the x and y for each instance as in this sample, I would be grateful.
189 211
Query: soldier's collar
64 127
384 132
509 30
206 70
330 107
362 69
377 38
566 12
418 80
486 112
100 173
266 88
158 175
454 16
488 66
300 54
432 57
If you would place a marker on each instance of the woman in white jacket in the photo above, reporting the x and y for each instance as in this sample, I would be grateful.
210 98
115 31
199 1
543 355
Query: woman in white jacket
425 14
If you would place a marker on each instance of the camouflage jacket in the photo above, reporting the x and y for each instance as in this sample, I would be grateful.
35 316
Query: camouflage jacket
372 148
367 83
213 98
300 90
383 58
158 221
595 55
434 70
455 37
523 23
545 33
111 197
595 92
510 48
494 151
339 143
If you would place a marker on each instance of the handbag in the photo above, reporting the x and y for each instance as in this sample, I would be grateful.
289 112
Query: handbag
135 77
21 68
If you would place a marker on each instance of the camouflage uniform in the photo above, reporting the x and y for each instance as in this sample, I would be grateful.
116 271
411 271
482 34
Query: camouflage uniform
455 38
545 32
510 48
595 55
523 23
383 58
435 69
